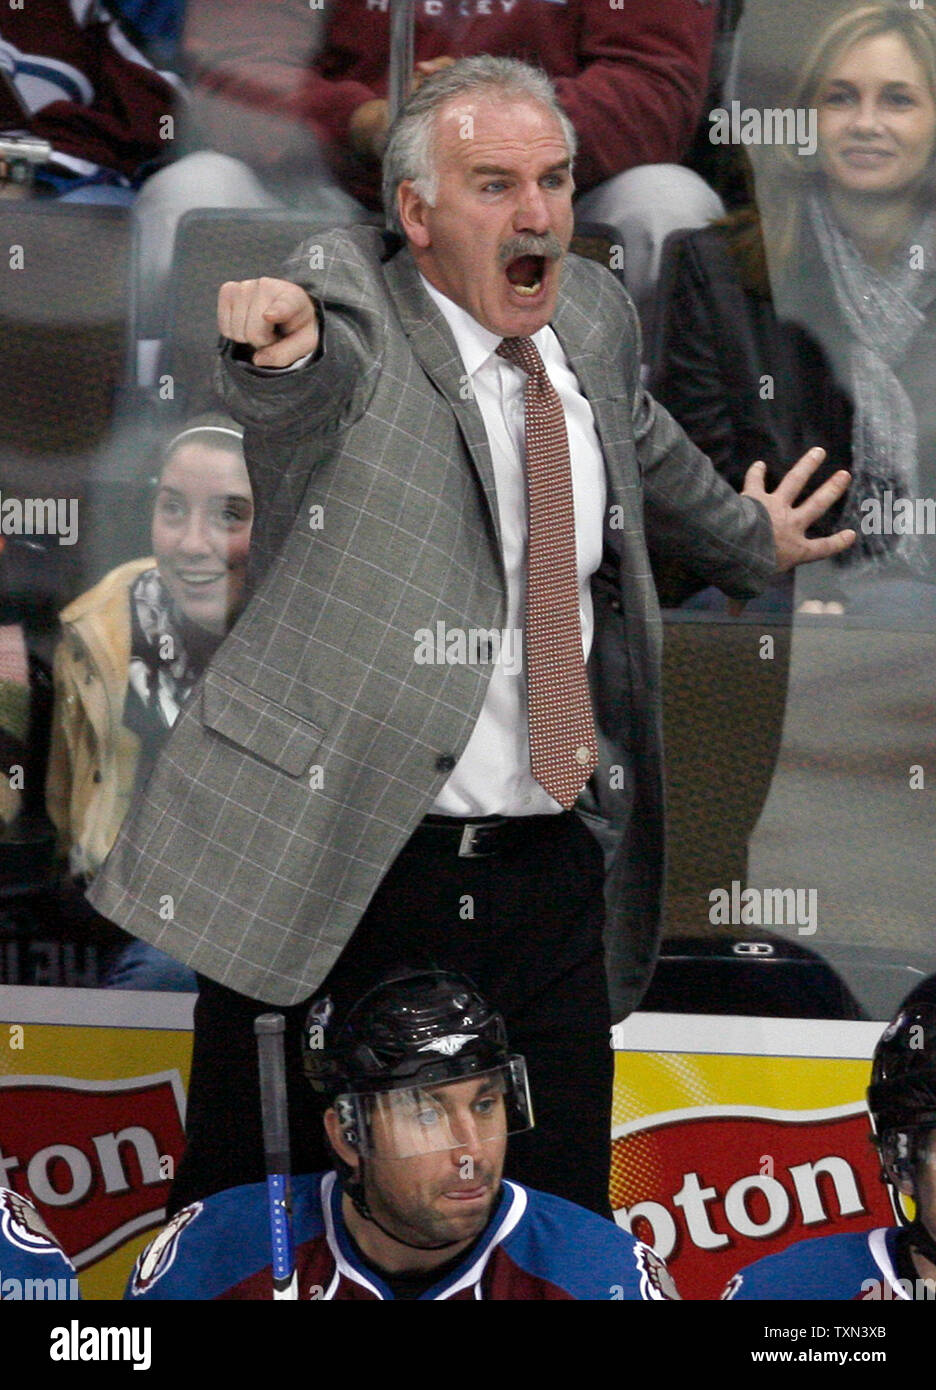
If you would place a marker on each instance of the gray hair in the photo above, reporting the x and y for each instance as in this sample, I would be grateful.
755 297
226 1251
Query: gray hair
410 152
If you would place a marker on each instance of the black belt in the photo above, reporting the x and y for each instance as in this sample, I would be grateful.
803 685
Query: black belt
486 835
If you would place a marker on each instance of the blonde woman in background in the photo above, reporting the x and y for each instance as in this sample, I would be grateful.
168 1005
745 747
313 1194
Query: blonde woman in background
811 318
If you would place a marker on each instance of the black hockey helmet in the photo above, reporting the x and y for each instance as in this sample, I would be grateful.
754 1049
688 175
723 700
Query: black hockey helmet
414 1031
902 1093
427 1025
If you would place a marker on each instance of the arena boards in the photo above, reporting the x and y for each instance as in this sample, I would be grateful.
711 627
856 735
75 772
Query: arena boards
732 1137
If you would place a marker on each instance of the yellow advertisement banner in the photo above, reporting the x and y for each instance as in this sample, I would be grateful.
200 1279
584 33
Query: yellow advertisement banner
732 1138
92 1113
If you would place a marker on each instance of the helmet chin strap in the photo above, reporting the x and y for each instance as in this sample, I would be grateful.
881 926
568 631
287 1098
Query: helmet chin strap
355 1190
914 1232
918 1235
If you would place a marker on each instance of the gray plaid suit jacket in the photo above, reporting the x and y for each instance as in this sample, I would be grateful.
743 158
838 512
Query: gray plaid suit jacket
314 743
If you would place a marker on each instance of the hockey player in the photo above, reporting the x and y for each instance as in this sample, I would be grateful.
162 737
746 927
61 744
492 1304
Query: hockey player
897 1262
33 1265
422 1093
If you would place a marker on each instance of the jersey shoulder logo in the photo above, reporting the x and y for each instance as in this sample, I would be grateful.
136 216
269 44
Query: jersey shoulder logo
23 1226
157 1258
656 1283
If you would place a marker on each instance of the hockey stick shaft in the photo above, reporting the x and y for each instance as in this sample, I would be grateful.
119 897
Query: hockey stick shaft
274 1110
400 77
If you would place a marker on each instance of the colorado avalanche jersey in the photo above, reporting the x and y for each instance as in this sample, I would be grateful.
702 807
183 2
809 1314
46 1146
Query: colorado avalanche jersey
534 1247
858 1266
32 1263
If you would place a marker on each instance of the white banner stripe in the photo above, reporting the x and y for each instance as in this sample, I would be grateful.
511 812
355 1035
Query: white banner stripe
96 1008
756 1037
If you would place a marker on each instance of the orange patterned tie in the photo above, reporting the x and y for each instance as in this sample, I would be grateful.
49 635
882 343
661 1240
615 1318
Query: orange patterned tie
563 744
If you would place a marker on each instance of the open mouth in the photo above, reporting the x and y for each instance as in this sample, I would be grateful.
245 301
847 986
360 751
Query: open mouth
525 274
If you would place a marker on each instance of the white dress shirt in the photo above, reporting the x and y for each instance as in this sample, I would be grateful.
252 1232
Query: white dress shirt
492 776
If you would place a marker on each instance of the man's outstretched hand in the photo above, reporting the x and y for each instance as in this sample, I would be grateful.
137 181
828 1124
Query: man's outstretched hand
791 522
274 316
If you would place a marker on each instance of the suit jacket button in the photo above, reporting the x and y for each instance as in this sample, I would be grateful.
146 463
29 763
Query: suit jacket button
444 762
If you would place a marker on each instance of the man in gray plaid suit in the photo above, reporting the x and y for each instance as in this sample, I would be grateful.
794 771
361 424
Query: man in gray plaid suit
351 788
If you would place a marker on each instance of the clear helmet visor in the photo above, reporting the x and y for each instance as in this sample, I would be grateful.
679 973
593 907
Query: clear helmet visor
478 1109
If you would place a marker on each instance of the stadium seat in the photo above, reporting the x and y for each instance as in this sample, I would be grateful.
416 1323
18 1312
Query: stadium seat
759 975
596 241
723 707
64 335
213 245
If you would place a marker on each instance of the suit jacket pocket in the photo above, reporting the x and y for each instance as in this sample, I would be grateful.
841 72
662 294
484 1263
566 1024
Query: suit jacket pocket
269 731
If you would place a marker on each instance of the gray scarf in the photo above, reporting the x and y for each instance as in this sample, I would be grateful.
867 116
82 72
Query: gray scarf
163 668
883 312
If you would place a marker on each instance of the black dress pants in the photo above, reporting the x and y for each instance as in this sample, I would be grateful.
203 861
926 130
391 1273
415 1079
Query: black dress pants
525 923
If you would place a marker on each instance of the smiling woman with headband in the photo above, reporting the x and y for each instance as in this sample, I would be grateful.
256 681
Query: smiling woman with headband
133 647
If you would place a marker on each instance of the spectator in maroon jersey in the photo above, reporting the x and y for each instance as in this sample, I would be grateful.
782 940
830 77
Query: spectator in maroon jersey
292 101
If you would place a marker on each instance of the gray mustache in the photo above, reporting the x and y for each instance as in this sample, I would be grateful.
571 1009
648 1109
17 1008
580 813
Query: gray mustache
526 244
